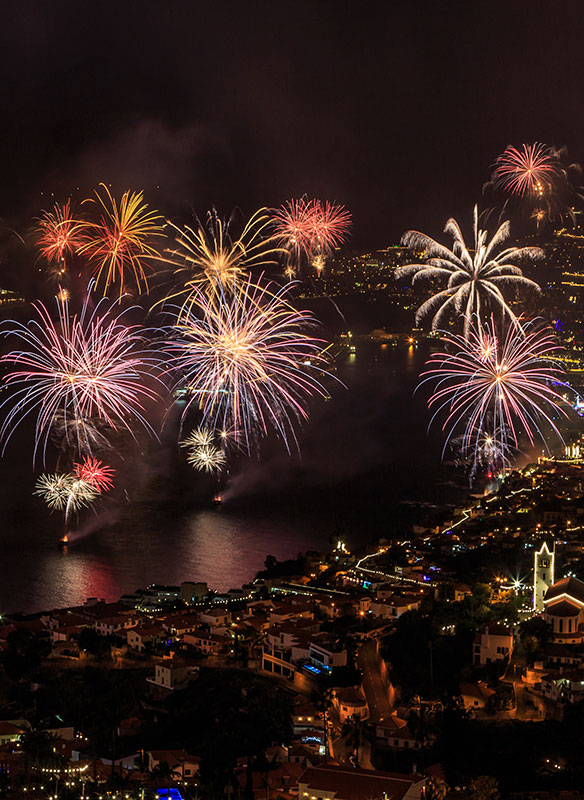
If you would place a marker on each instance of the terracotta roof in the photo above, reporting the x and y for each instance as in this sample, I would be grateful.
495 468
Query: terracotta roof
355 784
351 696
9 728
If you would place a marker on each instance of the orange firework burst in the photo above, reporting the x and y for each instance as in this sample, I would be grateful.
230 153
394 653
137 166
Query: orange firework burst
119 244
58 237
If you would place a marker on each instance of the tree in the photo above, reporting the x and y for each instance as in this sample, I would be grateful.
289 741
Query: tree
436 789
322 699
270 562
534 634
356 733
421 726
96 645
485 787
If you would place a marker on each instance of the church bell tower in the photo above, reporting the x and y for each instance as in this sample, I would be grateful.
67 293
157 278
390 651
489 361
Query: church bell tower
543 574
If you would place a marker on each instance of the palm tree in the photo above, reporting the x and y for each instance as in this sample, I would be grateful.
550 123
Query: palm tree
356 733
322 699
436 789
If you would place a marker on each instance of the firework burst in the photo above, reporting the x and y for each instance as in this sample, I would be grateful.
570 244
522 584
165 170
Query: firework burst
294 226
527 170
65 492
475 276
209 258
331 224
95 473
537 180
206 458
245 359
59 236
310 229
120 245
76 369
200 437
497 390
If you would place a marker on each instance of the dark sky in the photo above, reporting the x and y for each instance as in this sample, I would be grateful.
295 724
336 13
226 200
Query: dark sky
395 108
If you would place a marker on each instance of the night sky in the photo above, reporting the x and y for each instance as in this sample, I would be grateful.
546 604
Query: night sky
396 109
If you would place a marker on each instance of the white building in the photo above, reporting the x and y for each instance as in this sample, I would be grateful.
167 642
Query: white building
495 643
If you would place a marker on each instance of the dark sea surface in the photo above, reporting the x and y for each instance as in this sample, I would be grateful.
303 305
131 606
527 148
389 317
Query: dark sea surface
365 457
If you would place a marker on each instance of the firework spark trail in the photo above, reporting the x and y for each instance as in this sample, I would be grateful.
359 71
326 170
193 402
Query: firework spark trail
475 276
77 368
494 386
120 245
209 257
526 170
95 473
245 359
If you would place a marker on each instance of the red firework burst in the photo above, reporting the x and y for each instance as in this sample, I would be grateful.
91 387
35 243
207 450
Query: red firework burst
95 473
59 234
527 170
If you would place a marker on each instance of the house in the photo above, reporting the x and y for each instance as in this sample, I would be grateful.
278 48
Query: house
10 731
143 636
207 643
286 610
350 702
115 624
475 695
336 782
566 687
280 782
182 765
323 653
560 655
172 675
305 716
495 643
394 733
179 624
215 618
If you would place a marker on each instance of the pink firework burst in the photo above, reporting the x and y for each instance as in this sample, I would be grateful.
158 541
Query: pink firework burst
294 225
487 383
95 473
331 224
526 170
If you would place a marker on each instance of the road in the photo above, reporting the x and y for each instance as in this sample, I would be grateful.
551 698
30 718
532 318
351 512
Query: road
376 691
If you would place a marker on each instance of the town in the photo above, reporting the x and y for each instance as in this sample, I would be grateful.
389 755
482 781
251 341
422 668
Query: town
410 668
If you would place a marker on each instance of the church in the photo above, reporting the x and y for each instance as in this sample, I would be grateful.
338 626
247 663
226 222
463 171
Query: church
560 602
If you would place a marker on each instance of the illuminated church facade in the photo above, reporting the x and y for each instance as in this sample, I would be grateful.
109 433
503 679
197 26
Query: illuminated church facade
561 603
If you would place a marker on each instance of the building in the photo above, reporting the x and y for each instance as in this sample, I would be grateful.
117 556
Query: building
182 765
475 696
494 644
564 610
350 702
543 574
172 676
333 782
394 733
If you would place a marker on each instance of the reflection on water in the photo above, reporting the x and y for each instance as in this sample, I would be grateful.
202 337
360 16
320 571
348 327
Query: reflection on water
363 453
